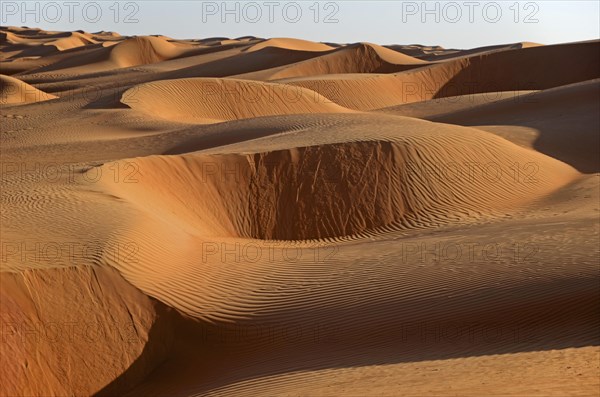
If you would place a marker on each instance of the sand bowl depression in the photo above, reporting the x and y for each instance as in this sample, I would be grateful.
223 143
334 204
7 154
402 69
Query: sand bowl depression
406 175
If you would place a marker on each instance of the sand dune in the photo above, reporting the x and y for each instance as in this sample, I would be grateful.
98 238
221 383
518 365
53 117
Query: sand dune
9 37
438 107
290 44
107 318
74 40
142 51
514 70
14 92
130 52
549 113
437 53
411 178
243 63
355 58
44 45
204 100
246 216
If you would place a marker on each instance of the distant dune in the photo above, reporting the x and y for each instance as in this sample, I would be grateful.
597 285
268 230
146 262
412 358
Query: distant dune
355 58
511 70
290 44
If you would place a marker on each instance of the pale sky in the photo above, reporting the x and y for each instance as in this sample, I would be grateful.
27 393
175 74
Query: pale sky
451 24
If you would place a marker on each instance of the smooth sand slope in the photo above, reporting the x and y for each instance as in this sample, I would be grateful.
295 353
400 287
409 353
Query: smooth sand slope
533 119
290 44
14 92
278 217
548 114
205 100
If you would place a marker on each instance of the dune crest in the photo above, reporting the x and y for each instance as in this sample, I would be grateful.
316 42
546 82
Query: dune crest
203 100
354 58
290 44
74 40
14 92
143 50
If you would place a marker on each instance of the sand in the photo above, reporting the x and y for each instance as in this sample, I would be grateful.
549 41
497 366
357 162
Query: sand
14 91
279 217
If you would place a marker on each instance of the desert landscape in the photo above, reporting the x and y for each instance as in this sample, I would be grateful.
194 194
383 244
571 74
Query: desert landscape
281 217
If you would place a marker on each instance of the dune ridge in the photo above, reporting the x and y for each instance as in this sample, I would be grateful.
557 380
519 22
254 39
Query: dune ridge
14 91
212 100
354 58
290 44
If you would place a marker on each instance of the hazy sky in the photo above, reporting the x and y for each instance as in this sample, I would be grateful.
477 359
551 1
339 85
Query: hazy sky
458 24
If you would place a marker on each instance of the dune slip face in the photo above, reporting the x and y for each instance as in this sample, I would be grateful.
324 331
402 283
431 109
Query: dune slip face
283 217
